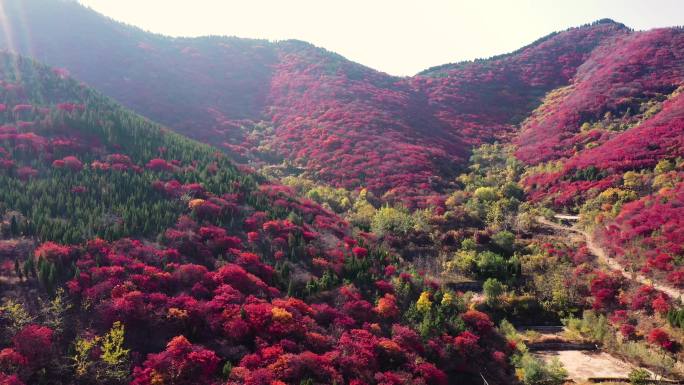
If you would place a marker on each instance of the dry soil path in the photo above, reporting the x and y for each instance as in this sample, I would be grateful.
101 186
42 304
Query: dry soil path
607 260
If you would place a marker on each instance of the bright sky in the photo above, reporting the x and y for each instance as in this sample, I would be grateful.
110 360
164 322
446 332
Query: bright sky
400 37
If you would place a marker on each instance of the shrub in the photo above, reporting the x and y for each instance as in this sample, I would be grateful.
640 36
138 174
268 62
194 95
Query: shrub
533 371
639 376
486 194
660 337
35 343
424 303
389 220
490 264
493 289
504 240
387 307
182 363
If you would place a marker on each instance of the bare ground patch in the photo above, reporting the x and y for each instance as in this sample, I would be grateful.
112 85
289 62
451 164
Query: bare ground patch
582 365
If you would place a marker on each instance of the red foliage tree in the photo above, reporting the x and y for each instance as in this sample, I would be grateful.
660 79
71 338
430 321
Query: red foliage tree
53 252
661 338
181 363
478 321
158 164
360 252
34 342
71 162
387 307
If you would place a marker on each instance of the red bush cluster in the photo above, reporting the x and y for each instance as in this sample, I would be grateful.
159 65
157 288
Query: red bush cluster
158 292
647 234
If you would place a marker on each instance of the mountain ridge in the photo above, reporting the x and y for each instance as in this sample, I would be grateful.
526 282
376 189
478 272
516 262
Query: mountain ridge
521 49
231 87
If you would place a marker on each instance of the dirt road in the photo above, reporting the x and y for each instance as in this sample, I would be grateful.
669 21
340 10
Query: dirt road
605 259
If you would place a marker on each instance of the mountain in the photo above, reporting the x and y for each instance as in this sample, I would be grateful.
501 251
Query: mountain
130 254
336 121
623 111
140 255
615 135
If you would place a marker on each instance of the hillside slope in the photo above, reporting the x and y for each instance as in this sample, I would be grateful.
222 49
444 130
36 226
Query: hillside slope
610 146
130 254
341 123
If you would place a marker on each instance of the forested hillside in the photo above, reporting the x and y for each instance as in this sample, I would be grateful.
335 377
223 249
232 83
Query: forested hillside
339 225
121 239
329 119
614 136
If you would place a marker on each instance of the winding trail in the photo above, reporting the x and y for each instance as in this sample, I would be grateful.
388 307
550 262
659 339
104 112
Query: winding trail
605 258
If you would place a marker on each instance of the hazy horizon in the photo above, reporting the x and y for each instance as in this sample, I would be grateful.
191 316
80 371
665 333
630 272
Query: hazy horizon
386 35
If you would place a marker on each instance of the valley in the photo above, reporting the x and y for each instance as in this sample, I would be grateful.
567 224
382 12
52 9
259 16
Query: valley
223 211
